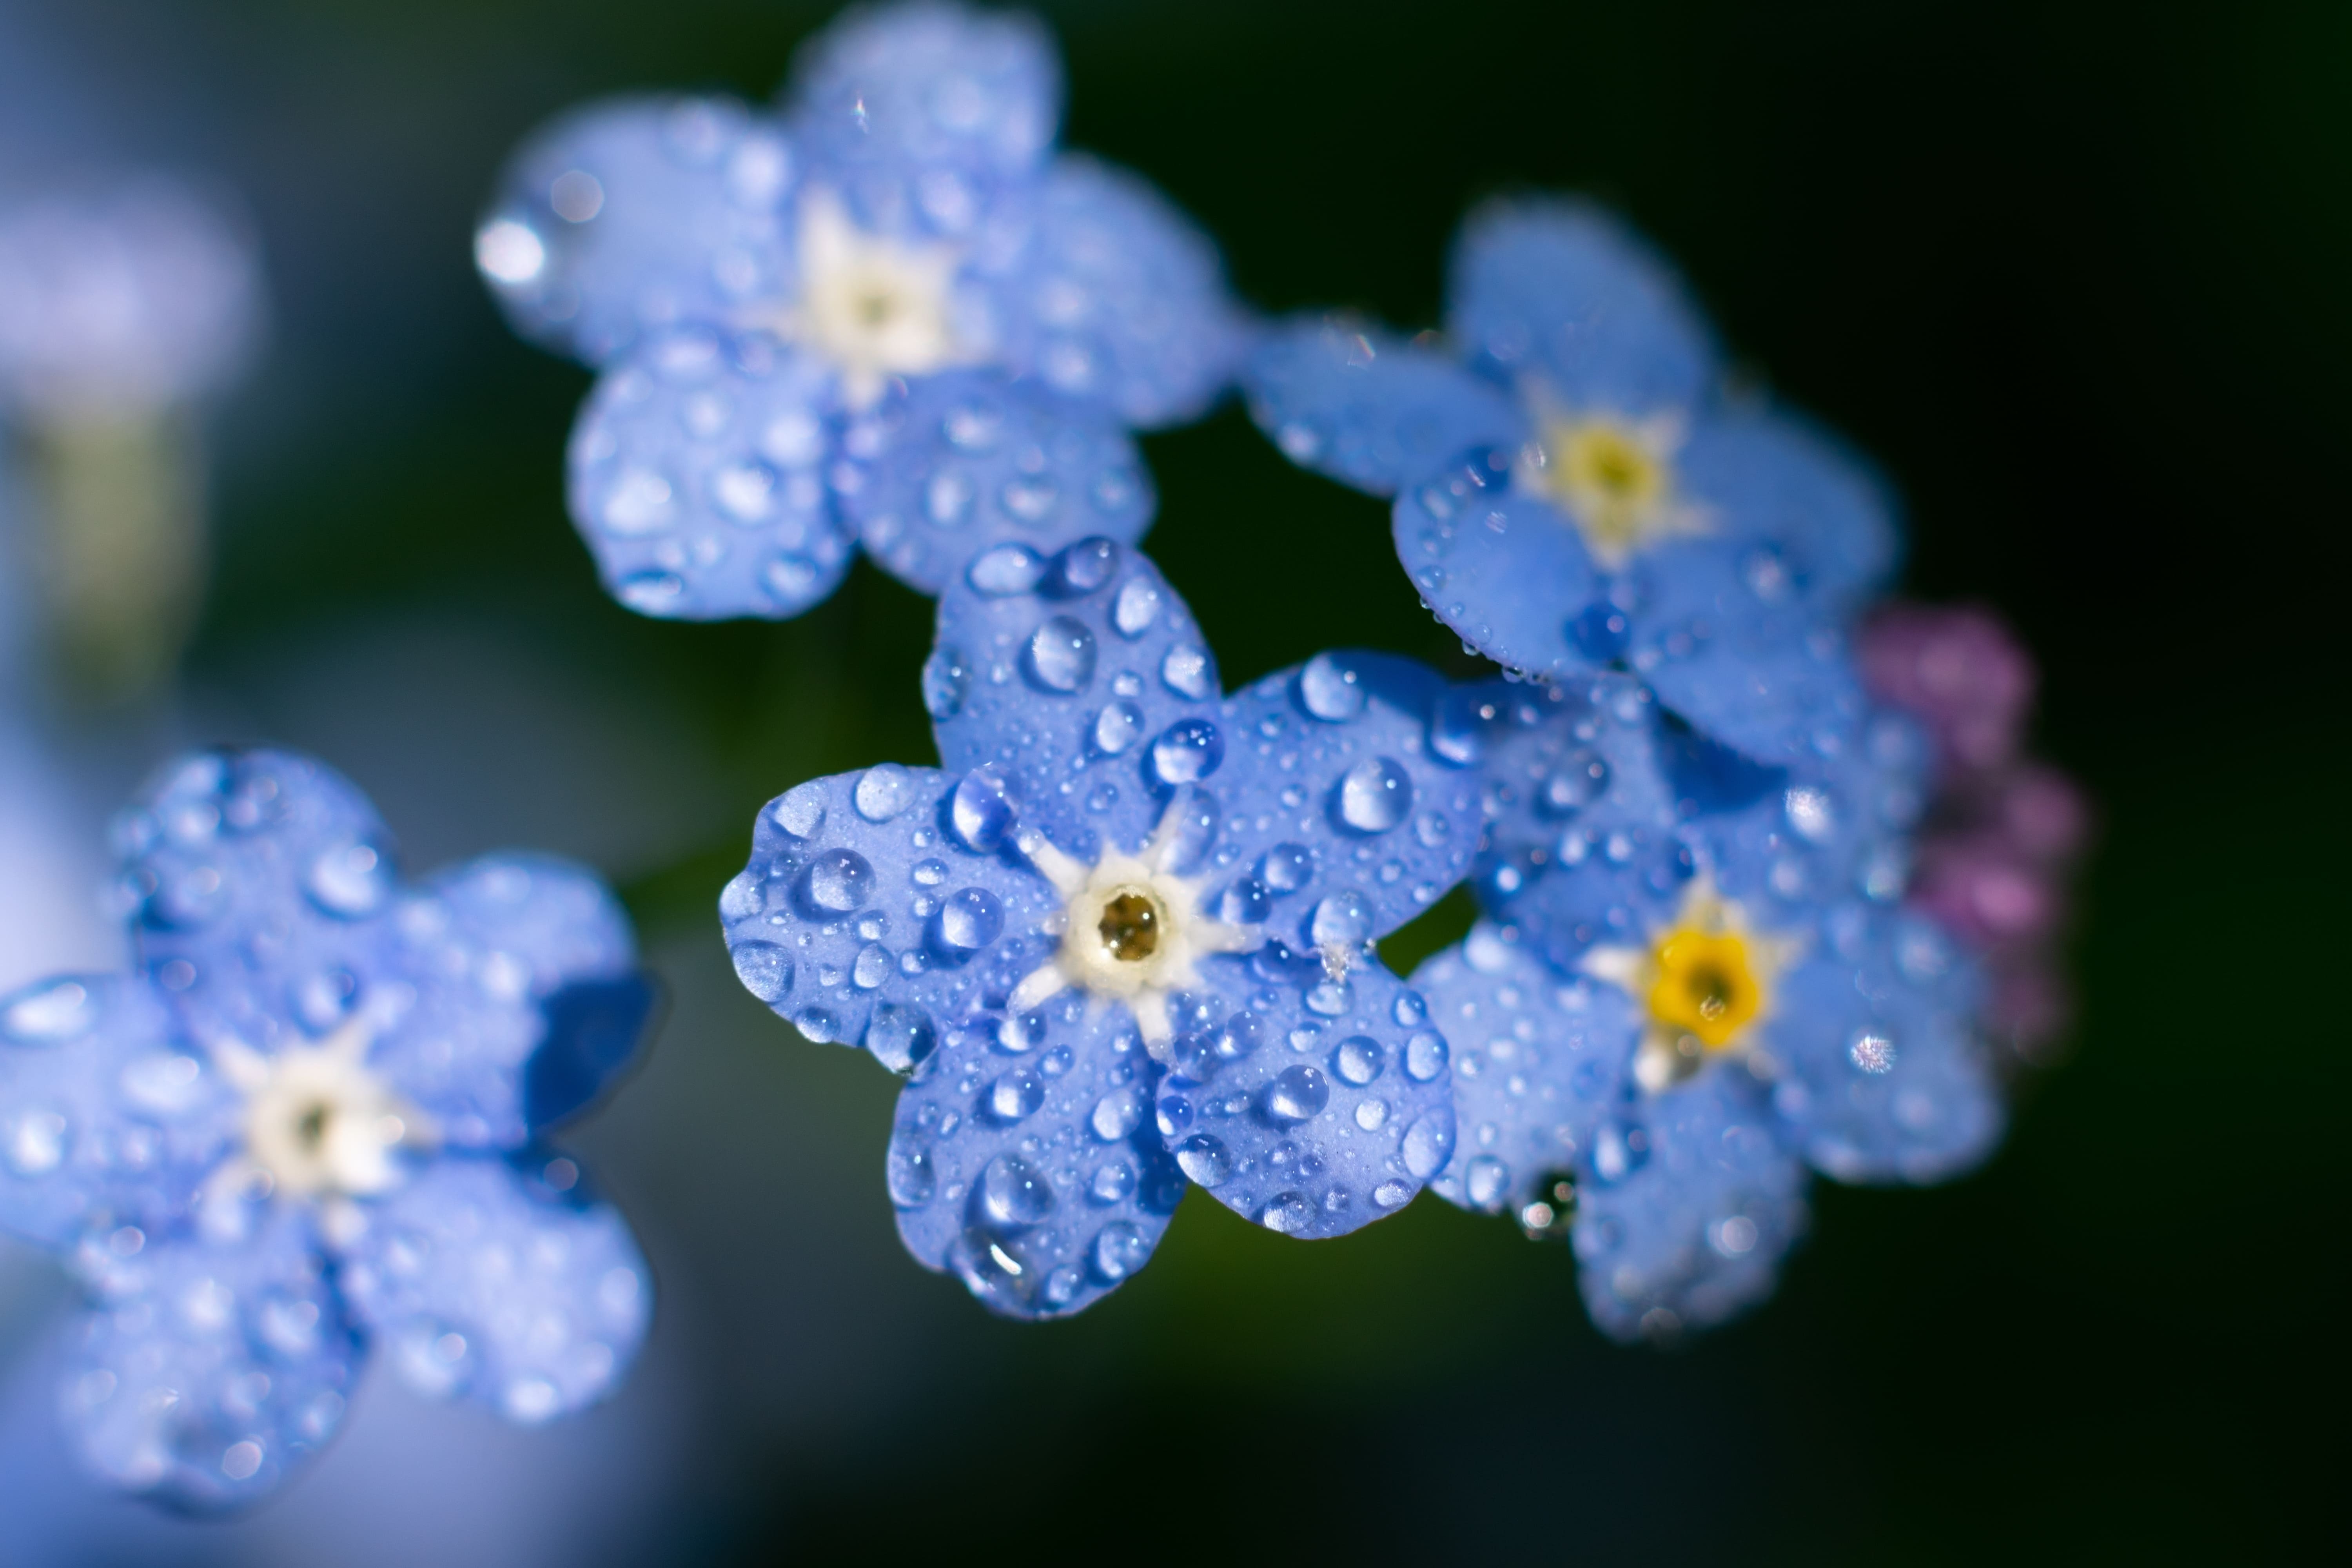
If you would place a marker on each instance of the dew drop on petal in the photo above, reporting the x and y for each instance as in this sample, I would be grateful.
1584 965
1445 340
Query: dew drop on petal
1329 689
1204 1160
1375 794
883 791
1061 655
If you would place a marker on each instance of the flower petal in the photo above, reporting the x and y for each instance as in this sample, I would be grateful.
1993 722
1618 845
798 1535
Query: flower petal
1538 1062
1562 293
1686 1206
107 1116
696 474
1503 567
637 213
1369 408
1026 1161
1310 1103
949 464
206 1373
1776 482
882 907
488 1282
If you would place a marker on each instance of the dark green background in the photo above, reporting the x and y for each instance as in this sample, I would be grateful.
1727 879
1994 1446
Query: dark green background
2078 279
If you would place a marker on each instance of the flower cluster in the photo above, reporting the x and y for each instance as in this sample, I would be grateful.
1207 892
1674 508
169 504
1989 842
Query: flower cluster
310 1120
887 314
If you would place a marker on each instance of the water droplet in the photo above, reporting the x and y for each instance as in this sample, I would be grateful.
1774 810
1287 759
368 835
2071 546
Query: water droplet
1486 1182
1245 902
980 813
1187 672
1136 606
1016 1094
1581 779
872 966
1424 1056
1286 867
820 1026
913 1174
1007 570
968 919
1113 1183
1084 567
837 881
1329 689
1358 1059
58 1012
1187 751
1061 654
800 811
1371 1115
947 499
765 969
1117 1113
883 791
35 1141
1118 727
900 1036
1375 794
1427 1143
1286 1214
350 881
1013 1194
1119 1248
1410 1011
1389 1194
1345 917
1204 1160
947 681
791 577
1296 1094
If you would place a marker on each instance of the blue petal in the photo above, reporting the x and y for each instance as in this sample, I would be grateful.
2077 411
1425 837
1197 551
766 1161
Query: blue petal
1562 293
1817 522
882 907
633 215
1501 566
1023 1159
1839 827
1537 1062
940 92
1687 1205
1882 1079
697 473
1083 681
1369 408
208 1374
107 1116
1331 768
949 464
1117 297
1582 840
488 1283
1310 1102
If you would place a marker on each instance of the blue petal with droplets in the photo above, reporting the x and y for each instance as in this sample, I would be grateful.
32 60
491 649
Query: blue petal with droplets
633 215
1687 1204
1369 408
1817 522
1837 827
1311 1098
1023 1159
1501 566
1561 294
107 1116
879 907
698 475
485 1281
1539 1060
206 1373
951 465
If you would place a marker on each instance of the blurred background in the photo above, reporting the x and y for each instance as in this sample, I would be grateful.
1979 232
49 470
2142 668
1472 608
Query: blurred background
2077 280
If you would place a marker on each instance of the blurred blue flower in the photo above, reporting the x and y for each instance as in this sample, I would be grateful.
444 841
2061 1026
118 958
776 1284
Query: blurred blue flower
1122 939
308 1121
888 314
1692 985
1574 490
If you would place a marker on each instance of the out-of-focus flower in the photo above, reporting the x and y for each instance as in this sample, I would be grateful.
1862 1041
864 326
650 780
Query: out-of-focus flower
1123 939
1693 985
890 313
1574 490
2004 835
308 1120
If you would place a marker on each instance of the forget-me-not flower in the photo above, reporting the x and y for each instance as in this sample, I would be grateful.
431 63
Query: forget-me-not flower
1121 939
890 314
1691 986
1574 490
306 1122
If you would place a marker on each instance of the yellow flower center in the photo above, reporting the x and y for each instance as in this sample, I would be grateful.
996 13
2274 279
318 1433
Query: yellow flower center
1611 481
1705 987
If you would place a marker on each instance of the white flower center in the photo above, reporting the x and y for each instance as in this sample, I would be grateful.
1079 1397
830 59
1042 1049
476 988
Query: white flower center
1614 477
318 1123
876 307
1131 929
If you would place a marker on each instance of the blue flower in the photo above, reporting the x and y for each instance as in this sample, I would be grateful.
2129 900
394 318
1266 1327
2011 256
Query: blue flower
890 314
1691 987
1121 939
306 1120
1575 491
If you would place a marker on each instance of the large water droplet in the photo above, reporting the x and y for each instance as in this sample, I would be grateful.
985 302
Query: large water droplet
1427 1142
1007 570
1204 1160
1286 867
765 969
1375 794
837 881
1345 917
350 880
900 1036
872 966
913 1174
947 682
1329 689
1084 567
980 813
1013 1194
1016 1094
1120 1250
1061 655
800 811
1286 1214
968 919
1188 673
1187 751
1118 727
1357 1060
58 1012
1486 1182
1424 1056
883 791
1117 1113
1295 1095
1136 606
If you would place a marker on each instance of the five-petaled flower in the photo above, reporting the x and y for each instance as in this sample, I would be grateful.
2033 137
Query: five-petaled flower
1574 492
1692 983
308 1121
1122 940
891 315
